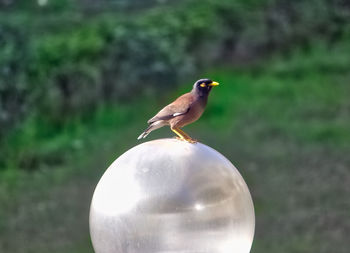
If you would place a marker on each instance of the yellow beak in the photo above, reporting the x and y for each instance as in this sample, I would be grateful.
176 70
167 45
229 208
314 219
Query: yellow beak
214 84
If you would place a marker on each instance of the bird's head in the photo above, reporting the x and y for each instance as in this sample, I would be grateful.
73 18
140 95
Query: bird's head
203 86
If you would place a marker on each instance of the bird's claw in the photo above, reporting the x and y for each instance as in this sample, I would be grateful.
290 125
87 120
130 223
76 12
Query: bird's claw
190 140
193 141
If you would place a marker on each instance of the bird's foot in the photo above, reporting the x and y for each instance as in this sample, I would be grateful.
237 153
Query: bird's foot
179 138
190 140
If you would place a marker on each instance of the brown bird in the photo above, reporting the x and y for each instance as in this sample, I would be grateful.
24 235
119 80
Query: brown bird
183 111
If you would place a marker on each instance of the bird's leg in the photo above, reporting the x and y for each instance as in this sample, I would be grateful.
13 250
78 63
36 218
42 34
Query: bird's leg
182 135
187 137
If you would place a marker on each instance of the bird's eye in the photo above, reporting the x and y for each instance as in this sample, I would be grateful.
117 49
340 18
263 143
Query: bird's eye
203 85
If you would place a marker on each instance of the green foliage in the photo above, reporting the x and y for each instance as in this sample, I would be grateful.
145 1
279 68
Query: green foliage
303 98
276 121
61 65
77 86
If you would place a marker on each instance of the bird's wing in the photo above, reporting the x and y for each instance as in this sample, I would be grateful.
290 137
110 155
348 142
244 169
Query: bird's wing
179 107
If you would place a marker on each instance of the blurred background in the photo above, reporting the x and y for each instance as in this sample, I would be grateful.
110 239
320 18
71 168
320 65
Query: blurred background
80 78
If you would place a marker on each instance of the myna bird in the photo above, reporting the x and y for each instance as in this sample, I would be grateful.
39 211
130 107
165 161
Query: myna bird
183 111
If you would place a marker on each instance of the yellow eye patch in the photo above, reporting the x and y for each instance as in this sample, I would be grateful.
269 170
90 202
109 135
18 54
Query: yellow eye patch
203 85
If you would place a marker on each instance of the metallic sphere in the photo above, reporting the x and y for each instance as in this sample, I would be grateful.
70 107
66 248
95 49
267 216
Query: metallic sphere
170 196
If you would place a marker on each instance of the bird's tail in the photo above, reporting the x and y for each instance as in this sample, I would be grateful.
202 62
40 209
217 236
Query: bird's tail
150 128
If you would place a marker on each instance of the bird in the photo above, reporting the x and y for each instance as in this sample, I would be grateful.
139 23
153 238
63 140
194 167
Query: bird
184 110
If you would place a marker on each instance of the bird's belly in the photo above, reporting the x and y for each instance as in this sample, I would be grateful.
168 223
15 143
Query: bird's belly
192 115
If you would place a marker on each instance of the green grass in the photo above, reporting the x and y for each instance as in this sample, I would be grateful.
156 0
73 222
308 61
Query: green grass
303 98
284 124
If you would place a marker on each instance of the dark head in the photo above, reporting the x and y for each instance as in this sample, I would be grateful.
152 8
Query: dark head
203 86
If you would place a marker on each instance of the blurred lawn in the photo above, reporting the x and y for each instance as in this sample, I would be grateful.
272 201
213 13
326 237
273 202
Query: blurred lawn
284 123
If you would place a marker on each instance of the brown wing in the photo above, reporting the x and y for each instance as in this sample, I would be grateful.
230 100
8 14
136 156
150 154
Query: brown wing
179 107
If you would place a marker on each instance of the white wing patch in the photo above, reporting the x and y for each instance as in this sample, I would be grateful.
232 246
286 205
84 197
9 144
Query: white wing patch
178 113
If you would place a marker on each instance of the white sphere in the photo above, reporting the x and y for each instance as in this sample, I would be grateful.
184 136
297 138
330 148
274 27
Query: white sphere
172 196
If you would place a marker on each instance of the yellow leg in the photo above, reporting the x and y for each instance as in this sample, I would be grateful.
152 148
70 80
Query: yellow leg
182 135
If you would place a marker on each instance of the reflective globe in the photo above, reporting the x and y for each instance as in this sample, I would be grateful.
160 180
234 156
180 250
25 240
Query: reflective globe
171 196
